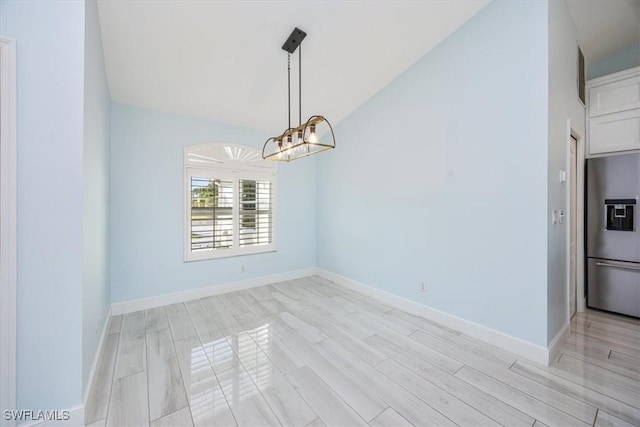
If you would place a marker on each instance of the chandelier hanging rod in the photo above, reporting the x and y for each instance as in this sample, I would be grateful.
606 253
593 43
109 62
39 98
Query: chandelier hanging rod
283 147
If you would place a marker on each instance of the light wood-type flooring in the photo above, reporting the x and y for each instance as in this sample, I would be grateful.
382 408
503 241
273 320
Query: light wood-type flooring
308 352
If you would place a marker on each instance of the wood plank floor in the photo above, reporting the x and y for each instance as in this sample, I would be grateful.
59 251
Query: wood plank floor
311 353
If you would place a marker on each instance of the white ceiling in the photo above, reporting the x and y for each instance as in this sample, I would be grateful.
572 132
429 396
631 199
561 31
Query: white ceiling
222 60
605 28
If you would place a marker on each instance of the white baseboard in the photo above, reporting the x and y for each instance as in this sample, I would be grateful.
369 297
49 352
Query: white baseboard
96 358
504 341
76 419
158 301
556 343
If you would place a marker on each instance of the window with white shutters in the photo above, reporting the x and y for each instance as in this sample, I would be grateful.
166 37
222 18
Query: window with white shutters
211 213
255 212
230 203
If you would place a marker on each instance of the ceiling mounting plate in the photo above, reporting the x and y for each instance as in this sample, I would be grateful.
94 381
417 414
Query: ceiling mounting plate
294 40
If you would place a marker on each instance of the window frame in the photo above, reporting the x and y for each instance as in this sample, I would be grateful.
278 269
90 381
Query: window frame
234 171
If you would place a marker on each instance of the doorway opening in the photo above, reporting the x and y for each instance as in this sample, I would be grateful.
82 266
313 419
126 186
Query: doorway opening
573 229
575 237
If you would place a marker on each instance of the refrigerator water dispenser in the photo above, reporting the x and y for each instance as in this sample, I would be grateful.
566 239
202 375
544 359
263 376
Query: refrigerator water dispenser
619 214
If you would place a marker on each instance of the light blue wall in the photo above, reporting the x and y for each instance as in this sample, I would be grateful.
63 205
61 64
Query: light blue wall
627 58
442 178
97 108
563 105
147 207
50 51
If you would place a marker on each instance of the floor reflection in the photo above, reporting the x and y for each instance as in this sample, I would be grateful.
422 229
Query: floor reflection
239 361
252 349
206 398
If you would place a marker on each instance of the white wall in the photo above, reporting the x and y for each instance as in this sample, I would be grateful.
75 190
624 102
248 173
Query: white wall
147 207
433 181
50 53
563 105
95 273
442 178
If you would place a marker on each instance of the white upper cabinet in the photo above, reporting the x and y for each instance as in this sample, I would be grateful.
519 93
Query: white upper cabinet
615 132
614 112
613 97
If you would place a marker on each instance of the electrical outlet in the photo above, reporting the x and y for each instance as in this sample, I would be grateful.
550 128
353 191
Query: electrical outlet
242 268
423 287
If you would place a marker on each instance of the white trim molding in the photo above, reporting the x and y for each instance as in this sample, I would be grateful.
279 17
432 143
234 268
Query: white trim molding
191 294
581 302
504 341
8 225
556 344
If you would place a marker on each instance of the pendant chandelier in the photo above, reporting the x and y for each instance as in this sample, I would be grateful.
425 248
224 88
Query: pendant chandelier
303 140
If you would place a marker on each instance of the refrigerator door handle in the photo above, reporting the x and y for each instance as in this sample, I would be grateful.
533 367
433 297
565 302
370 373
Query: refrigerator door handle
626 267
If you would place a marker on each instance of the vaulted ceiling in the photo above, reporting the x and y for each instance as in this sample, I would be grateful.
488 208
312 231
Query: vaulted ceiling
222 60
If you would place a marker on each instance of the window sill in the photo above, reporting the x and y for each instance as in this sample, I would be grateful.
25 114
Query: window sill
231 254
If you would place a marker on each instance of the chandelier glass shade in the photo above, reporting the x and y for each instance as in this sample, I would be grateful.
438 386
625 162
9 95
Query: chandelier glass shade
313 136
300 141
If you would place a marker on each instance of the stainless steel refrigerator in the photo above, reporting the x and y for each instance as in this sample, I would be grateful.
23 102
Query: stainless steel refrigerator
613 238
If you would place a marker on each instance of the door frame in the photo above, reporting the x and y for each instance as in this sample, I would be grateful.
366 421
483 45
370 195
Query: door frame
8 224
580 214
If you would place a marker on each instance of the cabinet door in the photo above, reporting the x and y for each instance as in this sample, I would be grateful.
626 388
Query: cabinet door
614 97
615 132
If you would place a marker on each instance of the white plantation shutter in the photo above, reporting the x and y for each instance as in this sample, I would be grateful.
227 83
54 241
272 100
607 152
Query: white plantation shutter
211 213
254 198
230 205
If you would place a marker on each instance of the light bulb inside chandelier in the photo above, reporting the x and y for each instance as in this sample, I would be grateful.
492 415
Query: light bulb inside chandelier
313 136
299 139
